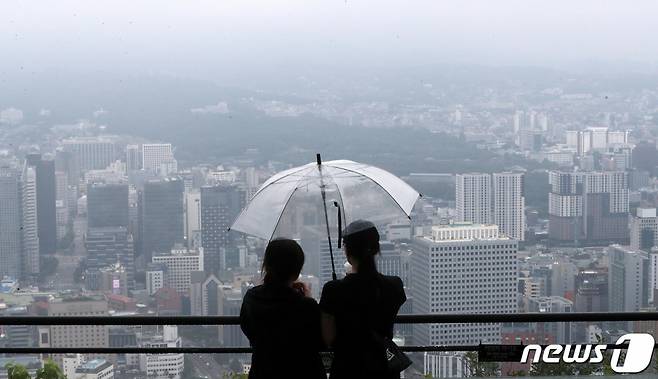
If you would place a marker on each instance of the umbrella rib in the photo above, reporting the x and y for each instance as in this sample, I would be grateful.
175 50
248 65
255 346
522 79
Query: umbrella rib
244 210
278 180
278 220
379 185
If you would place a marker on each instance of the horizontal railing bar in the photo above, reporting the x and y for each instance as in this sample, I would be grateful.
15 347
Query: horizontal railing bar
525 317
400 319
217 350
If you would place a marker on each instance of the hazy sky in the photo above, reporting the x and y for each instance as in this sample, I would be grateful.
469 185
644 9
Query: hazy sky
205 37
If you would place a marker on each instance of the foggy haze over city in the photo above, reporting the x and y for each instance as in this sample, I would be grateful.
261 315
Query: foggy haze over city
207 39
335 179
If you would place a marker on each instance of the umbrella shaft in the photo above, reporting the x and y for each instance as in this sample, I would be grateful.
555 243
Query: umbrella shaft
326 220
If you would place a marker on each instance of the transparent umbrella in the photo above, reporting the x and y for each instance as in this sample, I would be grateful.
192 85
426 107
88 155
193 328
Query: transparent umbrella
322 196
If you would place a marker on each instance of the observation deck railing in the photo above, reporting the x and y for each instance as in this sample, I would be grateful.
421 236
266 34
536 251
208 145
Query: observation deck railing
234 320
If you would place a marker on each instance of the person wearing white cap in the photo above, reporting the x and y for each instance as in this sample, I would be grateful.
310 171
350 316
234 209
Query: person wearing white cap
358 311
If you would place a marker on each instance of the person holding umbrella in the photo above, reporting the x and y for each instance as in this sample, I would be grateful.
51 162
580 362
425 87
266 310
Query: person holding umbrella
281 319
358 311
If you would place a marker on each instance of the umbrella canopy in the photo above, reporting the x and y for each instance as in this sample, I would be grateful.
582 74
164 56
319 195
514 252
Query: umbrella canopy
297 197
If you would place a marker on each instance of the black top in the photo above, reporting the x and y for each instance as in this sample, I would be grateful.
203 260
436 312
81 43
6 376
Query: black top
283 327
362 304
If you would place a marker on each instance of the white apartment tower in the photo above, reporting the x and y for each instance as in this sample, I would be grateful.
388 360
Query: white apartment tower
463 268
158 157
497 199
509 204
473 198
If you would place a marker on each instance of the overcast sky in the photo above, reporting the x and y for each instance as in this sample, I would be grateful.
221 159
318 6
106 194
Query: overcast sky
191 37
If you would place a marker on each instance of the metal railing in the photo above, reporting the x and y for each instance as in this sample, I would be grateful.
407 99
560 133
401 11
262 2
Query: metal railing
234 320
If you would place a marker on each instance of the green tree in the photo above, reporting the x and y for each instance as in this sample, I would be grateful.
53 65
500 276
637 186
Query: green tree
16 371
50 370
481 369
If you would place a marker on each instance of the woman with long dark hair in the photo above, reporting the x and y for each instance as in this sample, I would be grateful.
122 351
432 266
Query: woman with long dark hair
358 311
281 319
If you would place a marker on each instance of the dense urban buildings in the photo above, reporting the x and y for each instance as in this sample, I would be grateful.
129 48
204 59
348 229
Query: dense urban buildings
588 207
544 206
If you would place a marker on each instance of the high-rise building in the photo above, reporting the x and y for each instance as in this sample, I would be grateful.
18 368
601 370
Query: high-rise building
463 268
193 218
180 264
509 204
591 296
628 279
595 138
62 207
497 198
592 291
653 276
158 156
133 158
644 229
91 153
75 336
107 246
588 207
107 205
10 221
473 198
220 205
29 225
46 203
161 219
206 295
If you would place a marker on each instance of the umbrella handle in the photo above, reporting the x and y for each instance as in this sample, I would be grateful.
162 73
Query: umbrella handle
340 224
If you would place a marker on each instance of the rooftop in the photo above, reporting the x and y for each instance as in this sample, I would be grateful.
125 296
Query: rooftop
92 366
465 231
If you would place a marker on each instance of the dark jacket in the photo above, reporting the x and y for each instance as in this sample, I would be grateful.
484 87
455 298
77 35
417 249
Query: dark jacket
362 304
283 327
